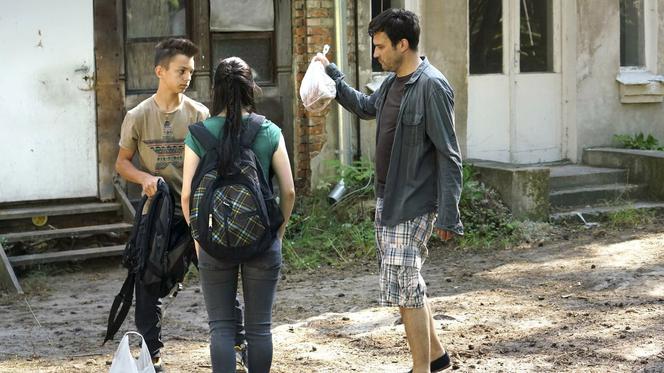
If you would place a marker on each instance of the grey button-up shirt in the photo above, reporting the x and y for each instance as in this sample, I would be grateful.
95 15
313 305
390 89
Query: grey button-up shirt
425 172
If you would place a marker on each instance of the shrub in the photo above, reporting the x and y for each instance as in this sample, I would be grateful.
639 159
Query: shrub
638 141
487 221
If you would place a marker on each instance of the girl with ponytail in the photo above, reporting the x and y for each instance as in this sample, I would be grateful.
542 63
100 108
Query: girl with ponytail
232 102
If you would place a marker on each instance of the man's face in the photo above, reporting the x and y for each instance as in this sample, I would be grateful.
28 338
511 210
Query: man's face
178 74
388 55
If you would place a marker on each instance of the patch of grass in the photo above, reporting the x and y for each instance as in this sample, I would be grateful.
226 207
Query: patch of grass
630 218
192 276
320 234
38 280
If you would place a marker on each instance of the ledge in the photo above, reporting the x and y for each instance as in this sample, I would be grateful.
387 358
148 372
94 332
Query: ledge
643 166
640 87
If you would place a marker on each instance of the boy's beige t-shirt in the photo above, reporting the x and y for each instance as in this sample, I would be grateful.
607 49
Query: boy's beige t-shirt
158 138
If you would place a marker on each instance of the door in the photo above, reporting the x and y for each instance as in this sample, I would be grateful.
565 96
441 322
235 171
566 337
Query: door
515 94
259 32
48 102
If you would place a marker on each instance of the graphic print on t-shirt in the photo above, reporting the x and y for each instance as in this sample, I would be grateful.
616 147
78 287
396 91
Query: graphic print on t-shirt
168 149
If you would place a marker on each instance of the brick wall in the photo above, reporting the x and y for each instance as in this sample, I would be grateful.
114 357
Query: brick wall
313 27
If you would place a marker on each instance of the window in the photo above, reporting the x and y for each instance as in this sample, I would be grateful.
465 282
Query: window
632 33
639 82
377 7
485 27
147 22
536 36
246 30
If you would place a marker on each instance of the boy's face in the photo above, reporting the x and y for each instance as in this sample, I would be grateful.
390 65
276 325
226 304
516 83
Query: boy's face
177 76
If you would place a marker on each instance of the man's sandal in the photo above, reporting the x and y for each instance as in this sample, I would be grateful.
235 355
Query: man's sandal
439 364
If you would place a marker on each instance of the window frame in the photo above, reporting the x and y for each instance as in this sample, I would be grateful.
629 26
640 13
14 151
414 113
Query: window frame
243 35
154 39
650 26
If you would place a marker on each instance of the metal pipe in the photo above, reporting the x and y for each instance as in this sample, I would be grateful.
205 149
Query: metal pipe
343 117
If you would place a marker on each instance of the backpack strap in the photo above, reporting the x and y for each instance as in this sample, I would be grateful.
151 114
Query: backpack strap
251 129
120 307
204 136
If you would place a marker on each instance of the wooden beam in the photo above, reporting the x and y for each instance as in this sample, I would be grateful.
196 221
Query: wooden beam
65 232
109 87
72 209
66 256
7 276
128 210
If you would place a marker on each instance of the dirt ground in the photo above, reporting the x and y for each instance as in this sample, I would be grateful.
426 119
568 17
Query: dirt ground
590 301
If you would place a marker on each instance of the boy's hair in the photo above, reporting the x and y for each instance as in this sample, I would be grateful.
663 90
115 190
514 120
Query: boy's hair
170 48
397 24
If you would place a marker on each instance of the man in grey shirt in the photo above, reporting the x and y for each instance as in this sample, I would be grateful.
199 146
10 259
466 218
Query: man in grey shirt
418 172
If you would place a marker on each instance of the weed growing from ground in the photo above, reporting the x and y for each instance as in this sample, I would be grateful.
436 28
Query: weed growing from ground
487 221
630 218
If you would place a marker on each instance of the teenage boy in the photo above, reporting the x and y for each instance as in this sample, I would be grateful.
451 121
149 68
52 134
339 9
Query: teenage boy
155 129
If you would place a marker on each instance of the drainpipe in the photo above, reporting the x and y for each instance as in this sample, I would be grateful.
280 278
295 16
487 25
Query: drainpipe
341 49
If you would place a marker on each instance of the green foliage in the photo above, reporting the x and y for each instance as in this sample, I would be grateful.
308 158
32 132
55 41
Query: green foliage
319 234
638 141
358 177
630 218
487 221
322 234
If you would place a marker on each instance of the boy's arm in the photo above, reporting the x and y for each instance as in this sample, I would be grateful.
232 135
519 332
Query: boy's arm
129 172
364 106
129 138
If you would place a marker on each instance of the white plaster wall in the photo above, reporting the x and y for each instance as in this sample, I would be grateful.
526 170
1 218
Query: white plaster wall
367 127
600 114
444 41
660 38
48 126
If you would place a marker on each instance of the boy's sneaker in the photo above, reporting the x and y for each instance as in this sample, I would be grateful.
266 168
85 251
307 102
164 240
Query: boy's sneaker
158 365
241 357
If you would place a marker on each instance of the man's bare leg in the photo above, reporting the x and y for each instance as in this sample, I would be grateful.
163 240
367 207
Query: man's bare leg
417 324
436 348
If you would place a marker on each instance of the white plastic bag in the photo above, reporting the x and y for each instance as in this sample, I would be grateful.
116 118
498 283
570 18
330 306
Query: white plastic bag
124 362
317 89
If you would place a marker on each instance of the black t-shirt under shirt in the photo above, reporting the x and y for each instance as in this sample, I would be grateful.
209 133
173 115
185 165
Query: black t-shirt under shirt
387 124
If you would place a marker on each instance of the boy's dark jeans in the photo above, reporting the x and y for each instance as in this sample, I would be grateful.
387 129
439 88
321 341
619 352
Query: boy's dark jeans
148 320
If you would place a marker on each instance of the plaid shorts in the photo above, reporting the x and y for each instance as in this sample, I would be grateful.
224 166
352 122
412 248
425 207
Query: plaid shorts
402 250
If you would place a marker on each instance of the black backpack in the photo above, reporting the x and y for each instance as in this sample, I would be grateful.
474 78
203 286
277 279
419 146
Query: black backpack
234 217
158 254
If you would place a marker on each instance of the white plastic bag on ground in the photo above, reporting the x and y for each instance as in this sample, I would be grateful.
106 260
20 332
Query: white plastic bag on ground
124 362
317 89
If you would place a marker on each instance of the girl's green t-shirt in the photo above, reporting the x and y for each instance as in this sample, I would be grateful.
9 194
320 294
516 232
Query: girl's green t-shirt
265 144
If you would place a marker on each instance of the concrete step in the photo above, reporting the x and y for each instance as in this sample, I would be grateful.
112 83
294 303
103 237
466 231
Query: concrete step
47 234
66 256
589 195
571 175
56 210
592 213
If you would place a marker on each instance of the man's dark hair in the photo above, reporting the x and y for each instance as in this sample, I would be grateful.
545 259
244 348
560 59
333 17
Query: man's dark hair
397 24
170 48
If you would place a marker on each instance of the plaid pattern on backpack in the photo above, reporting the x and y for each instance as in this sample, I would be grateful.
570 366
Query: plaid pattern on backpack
233 217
